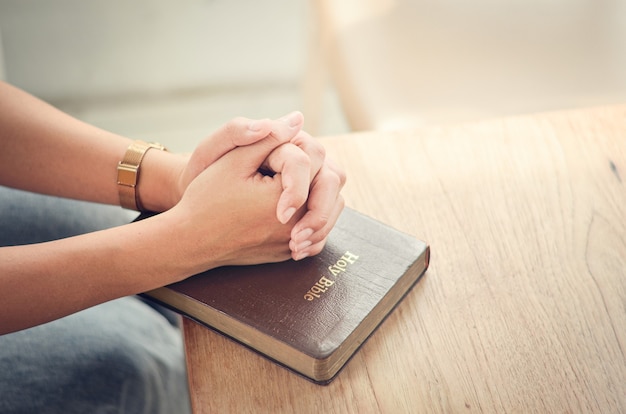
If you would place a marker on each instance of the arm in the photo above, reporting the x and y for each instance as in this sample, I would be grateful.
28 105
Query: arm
212 225
209 220
49 152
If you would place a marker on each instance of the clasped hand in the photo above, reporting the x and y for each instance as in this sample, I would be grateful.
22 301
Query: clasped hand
263 189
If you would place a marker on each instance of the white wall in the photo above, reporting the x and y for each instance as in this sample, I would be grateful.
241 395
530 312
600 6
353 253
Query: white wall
69 49
2 75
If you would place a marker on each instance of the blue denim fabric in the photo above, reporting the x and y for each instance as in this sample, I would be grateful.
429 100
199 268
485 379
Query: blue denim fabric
123 356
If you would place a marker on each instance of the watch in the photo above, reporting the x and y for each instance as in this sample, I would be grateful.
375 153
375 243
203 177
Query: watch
128 173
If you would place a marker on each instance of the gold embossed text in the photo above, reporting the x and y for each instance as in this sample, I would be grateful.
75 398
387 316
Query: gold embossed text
325 283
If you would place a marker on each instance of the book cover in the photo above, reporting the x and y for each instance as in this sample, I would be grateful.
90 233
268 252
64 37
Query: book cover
312 315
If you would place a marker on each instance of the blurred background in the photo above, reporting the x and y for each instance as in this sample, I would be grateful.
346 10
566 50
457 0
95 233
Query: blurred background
174 71
161 70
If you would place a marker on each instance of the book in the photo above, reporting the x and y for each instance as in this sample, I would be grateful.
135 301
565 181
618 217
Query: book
311 315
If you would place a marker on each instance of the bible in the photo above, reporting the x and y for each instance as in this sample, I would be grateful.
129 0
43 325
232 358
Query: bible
312 315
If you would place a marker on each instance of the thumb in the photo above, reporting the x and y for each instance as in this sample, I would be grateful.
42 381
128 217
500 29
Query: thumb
237 132
253 157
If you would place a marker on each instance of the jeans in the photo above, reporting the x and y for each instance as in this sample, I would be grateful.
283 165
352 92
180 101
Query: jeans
124 356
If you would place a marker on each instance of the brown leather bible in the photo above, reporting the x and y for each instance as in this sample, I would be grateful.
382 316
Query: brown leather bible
310 316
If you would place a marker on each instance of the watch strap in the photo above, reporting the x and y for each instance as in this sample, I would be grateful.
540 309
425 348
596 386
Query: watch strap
128 173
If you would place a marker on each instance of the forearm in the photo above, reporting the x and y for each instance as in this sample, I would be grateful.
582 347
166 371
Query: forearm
49 152
42 282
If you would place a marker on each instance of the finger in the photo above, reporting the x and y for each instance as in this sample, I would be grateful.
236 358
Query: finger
237 132
336 169
309 236
313 148
294 165
243 131
288 127
316 242
293 119
323 197
282 131
256 155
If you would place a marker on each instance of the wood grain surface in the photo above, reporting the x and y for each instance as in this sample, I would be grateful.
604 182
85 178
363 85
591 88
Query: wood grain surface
523 308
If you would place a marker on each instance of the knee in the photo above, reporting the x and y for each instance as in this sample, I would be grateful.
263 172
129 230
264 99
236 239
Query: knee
93 362
124 375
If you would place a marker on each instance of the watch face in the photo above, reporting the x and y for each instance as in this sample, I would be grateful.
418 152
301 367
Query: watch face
127 174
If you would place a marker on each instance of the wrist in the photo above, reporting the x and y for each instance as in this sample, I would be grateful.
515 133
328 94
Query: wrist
159 186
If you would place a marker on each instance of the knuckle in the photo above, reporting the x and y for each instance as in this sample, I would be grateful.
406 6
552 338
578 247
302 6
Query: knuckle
342 177
310 145
300 158
232 129
233 125
317 247
341 203
331 178
291 157
316 150
337 170
276 138
322 227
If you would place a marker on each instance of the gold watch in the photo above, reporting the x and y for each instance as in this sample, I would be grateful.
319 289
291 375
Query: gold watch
128 173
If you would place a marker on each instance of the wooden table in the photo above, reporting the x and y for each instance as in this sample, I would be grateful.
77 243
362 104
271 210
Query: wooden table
524 306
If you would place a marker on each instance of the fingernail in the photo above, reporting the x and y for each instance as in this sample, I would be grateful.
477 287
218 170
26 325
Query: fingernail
293 119
303 245
301 256
303 235
287 214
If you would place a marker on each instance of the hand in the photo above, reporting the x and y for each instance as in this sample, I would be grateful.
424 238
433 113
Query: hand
241 132
227 214
320 190
308 178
